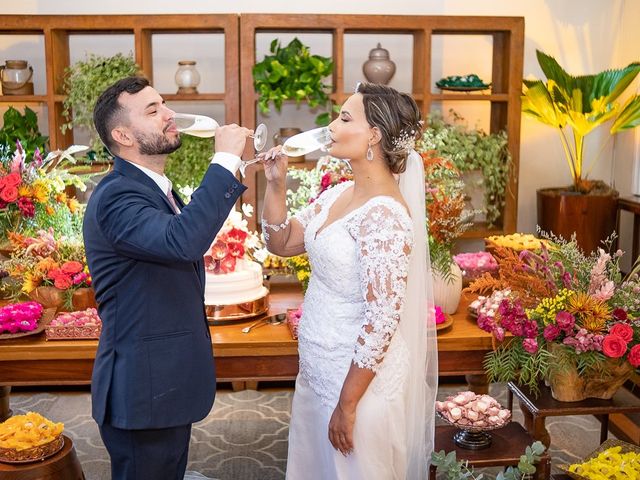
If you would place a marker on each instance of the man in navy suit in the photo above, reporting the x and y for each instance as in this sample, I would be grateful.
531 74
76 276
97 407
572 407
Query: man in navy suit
154 373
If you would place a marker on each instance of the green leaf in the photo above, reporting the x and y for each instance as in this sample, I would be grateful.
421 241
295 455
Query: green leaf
629 117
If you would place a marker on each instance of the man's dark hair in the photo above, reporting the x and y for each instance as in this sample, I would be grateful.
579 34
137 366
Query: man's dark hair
107 112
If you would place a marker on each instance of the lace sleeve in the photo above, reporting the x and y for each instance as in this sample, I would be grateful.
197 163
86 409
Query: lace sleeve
385 239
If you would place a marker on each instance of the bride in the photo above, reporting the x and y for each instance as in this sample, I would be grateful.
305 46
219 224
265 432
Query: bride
363 406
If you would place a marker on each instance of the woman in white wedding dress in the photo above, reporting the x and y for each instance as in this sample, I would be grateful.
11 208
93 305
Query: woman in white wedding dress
363 406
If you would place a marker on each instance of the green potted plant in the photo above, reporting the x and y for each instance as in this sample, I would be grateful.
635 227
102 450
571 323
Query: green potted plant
292 73
470 150
187 165
575 106
84 81
23 128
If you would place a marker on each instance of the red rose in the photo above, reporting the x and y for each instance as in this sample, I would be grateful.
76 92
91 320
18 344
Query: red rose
71 267
325 181
3 182
62 282
622 330
13 179
634 356
55 273
614 346
9 193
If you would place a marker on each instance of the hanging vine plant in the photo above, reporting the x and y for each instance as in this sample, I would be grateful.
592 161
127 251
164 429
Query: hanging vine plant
471 149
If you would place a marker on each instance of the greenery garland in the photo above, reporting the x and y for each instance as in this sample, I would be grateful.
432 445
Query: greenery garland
472 150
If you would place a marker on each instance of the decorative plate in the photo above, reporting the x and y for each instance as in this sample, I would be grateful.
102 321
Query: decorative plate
440 327
465 89
34 454
626 448
47 316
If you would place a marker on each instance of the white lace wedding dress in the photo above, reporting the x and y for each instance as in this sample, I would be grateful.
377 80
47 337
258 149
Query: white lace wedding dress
350 314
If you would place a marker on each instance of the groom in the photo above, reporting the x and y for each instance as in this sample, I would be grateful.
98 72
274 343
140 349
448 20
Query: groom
154 373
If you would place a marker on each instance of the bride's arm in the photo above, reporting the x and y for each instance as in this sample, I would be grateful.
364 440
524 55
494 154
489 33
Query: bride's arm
384 245
284 236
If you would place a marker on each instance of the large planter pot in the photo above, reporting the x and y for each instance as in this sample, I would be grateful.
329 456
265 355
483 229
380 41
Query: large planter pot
592 217
84 298
447 291
567 385
48 297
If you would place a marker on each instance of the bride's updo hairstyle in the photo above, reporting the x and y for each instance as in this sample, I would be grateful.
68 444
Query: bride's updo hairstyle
397 117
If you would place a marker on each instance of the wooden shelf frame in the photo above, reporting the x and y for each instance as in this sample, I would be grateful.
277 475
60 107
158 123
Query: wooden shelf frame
57 29
504 96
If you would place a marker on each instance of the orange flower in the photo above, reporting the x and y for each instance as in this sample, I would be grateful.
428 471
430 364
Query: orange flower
73 205
61 197
49 209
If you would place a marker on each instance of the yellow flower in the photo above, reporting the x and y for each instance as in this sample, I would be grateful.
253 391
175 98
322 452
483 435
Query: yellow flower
73 205
24 191
591 313
30 282
61 197
547 309
40 192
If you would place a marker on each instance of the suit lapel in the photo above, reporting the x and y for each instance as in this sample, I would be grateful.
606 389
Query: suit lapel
131 171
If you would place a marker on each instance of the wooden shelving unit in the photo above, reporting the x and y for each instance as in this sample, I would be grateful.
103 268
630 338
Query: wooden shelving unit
57 29
504 97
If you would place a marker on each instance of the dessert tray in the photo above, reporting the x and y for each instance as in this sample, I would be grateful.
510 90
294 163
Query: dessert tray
33 454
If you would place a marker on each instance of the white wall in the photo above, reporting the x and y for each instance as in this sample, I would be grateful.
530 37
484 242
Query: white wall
584 35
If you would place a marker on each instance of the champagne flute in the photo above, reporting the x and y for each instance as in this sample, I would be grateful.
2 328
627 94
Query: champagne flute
307 142
205 127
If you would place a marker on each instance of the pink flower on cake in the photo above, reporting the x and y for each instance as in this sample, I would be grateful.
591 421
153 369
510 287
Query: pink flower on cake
227 264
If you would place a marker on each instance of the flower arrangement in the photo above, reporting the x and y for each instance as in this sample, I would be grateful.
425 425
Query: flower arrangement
20 317
234 242
32 192
565 309
328 172
44 260
446 216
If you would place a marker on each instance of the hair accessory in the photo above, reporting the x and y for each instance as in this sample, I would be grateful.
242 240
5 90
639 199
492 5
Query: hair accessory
405 142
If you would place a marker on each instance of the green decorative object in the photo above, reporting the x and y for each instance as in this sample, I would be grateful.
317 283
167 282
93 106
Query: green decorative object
292 73
462 83
24 128
84 81
471 149
187 165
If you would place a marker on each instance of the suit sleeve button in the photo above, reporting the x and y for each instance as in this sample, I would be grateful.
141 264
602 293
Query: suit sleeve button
227 195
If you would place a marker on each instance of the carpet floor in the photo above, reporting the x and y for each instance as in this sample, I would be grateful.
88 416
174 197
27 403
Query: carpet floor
245 435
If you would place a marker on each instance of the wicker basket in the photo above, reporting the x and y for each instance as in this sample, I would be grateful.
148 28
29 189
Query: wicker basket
626 447
34 454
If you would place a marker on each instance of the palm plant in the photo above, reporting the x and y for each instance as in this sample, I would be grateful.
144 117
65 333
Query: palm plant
581 103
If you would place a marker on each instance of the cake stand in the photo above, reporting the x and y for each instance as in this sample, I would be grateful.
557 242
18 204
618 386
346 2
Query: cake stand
473 438
220 314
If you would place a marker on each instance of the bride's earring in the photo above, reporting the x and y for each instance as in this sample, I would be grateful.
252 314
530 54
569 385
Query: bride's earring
369 153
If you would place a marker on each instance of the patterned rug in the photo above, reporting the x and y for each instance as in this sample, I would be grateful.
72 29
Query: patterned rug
245 435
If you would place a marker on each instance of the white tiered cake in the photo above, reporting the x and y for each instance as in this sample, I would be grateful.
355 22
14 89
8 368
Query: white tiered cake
240 286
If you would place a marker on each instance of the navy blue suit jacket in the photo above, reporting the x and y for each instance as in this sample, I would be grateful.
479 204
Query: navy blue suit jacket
154 366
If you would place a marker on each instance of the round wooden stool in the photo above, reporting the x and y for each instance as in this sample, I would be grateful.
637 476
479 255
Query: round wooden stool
64 465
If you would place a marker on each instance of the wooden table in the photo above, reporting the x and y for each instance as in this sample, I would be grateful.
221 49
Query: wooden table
536 409
64 465
267 353
507 445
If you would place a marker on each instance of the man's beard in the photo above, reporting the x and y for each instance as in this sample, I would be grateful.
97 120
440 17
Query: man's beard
156 144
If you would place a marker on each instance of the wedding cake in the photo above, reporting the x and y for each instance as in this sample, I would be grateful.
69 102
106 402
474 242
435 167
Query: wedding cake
242 285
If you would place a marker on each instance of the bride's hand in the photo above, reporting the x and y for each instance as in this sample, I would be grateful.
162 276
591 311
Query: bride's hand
341 429
275 164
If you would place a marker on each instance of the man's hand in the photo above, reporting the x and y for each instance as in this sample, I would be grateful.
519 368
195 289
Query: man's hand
231 139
